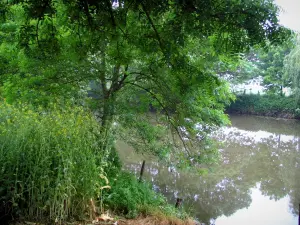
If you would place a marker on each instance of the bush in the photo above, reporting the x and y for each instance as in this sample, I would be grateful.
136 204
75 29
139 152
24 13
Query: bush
50 162
128 196
132 198
264 105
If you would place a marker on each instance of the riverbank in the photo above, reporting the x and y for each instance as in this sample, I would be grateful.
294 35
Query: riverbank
126 202
51 176
265 105
158 219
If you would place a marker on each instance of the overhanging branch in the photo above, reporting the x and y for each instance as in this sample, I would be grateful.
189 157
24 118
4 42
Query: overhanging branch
166 112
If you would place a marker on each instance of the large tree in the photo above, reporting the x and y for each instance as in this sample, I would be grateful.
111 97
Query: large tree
161 54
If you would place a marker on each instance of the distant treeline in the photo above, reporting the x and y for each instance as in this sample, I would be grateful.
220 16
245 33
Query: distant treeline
265 105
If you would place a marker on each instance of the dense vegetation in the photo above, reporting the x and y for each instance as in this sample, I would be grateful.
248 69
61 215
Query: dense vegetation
265 105
50 162
55 49
292 68
76 75
52 166
278 68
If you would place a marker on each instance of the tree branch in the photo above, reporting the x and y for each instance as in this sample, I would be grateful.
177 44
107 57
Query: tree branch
167 114
153 27
109 6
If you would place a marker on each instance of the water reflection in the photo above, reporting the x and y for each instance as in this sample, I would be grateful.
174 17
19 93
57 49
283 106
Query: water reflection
257 157
261 212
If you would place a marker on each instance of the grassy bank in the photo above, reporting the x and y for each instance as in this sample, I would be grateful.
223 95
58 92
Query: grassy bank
265 105
53 171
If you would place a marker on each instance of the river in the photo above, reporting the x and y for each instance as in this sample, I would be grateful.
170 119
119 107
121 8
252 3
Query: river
256 182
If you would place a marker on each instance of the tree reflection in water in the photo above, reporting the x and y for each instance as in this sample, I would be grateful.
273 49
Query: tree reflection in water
249 157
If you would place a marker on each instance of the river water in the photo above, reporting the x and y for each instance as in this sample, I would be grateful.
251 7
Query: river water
256 182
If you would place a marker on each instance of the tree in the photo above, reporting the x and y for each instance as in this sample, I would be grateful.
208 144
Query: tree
140 53
292 68
271 63
267 63
244 70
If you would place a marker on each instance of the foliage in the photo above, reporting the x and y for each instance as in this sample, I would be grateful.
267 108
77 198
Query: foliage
245 69
131 198
271 64
139 54
50 162
292 68
267 63
52 165
127 195
158 53
265 105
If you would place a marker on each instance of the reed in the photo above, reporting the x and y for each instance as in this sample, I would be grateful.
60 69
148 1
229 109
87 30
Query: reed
50 164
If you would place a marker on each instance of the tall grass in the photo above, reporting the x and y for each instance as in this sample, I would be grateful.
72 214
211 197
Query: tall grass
50 162
51 165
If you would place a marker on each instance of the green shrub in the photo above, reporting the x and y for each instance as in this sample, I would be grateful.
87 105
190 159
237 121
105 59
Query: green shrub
128 196
265 105
50 162
131 198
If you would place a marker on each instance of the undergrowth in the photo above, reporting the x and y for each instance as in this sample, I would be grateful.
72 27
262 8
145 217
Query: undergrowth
132 198
52 166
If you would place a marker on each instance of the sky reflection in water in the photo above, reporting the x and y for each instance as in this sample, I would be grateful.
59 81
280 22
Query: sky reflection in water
262 211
